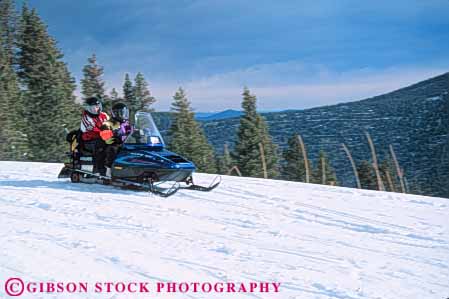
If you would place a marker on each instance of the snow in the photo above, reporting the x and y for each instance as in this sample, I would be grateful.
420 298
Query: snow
316 241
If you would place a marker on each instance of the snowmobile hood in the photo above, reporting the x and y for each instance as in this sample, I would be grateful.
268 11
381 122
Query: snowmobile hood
155 159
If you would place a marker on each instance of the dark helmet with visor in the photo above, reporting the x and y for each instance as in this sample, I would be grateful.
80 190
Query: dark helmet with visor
93 105
120 112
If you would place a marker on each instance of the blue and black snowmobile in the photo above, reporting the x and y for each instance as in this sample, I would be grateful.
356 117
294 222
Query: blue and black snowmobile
142 163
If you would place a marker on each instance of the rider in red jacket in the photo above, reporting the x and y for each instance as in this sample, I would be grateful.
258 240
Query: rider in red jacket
91 122
92 119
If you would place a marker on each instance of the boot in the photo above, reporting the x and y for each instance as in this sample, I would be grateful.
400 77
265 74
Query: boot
108 172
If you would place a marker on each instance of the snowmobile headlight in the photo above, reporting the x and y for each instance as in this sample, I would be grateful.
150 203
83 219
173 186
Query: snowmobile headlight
155 140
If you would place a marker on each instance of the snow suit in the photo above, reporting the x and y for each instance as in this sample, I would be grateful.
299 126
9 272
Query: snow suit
90 133
113 133
91 124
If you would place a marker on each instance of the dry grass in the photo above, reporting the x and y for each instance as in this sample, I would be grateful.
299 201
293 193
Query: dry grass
354 167
380 185
306 160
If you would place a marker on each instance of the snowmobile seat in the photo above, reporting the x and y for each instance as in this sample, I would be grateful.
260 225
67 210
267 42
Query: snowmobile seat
73 138
72 135
85 148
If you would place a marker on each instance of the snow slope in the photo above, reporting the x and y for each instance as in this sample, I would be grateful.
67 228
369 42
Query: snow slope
317 241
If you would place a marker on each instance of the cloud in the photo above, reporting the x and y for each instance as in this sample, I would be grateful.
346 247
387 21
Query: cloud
291 86
291 54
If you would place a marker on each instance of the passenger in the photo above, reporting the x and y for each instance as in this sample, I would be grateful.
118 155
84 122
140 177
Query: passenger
92 119
113 133
91 122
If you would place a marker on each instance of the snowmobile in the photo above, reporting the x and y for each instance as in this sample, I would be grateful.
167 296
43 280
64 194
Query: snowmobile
142 163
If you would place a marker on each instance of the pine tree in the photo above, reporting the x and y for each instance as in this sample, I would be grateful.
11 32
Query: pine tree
186 136
137 97
367 176
110 100
143 98
252 132
128 96
224 162
48 89
13 140
113 95
293 166
8 18
92 83
324 173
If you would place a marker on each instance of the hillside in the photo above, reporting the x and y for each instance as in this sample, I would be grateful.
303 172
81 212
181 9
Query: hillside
414 120
218 116
316 241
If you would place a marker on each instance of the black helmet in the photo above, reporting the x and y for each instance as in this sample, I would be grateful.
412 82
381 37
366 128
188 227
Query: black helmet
120 112
91 104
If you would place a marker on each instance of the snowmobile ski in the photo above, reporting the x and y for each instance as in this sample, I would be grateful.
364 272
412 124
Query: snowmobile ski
214 184
151 187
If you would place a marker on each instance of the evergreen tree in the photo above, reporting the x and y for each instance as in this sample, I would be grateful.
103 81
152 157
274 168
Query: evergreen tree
143 98
224 162
128 96
254 131
13 140
110 100
107 104
92 83
293 166
113 95
14 125
367 176
326 177
8 25
48 89
186 136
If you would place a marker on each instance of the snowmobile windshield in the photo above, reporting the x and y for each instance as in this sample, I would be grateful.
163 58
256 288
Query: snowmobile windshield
145 131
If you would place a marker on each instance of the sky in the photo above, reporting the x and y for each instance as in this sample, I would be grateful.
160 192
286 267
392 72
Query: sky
290 54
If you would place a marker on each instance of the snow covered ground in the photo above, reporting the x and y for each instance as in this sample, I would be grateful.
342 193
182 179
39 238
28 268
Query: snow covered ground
316 241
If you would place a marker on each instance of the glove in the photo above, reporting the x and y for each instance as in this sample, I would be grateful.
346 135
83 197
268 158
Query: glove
111 140
106 134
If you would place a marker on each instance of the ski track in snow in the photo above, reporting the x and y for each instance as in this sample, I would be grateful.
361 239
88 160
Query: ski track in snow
317 241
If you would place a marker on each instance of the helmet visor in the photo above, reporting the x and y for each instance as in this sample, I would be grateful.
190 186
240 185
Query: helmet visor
121 114
94 109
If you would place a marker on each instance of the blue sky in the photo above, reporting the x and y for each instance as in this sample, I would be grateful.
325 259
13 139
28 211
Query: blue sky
291 54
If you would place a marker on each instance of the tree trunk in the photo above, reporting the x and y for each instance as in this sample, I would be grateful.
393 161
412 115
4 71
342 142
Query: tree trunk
264 164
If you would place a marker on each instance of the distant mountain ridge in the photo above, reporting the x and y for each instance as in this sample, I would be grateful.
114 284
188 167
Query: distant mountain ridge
414 120
229 113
